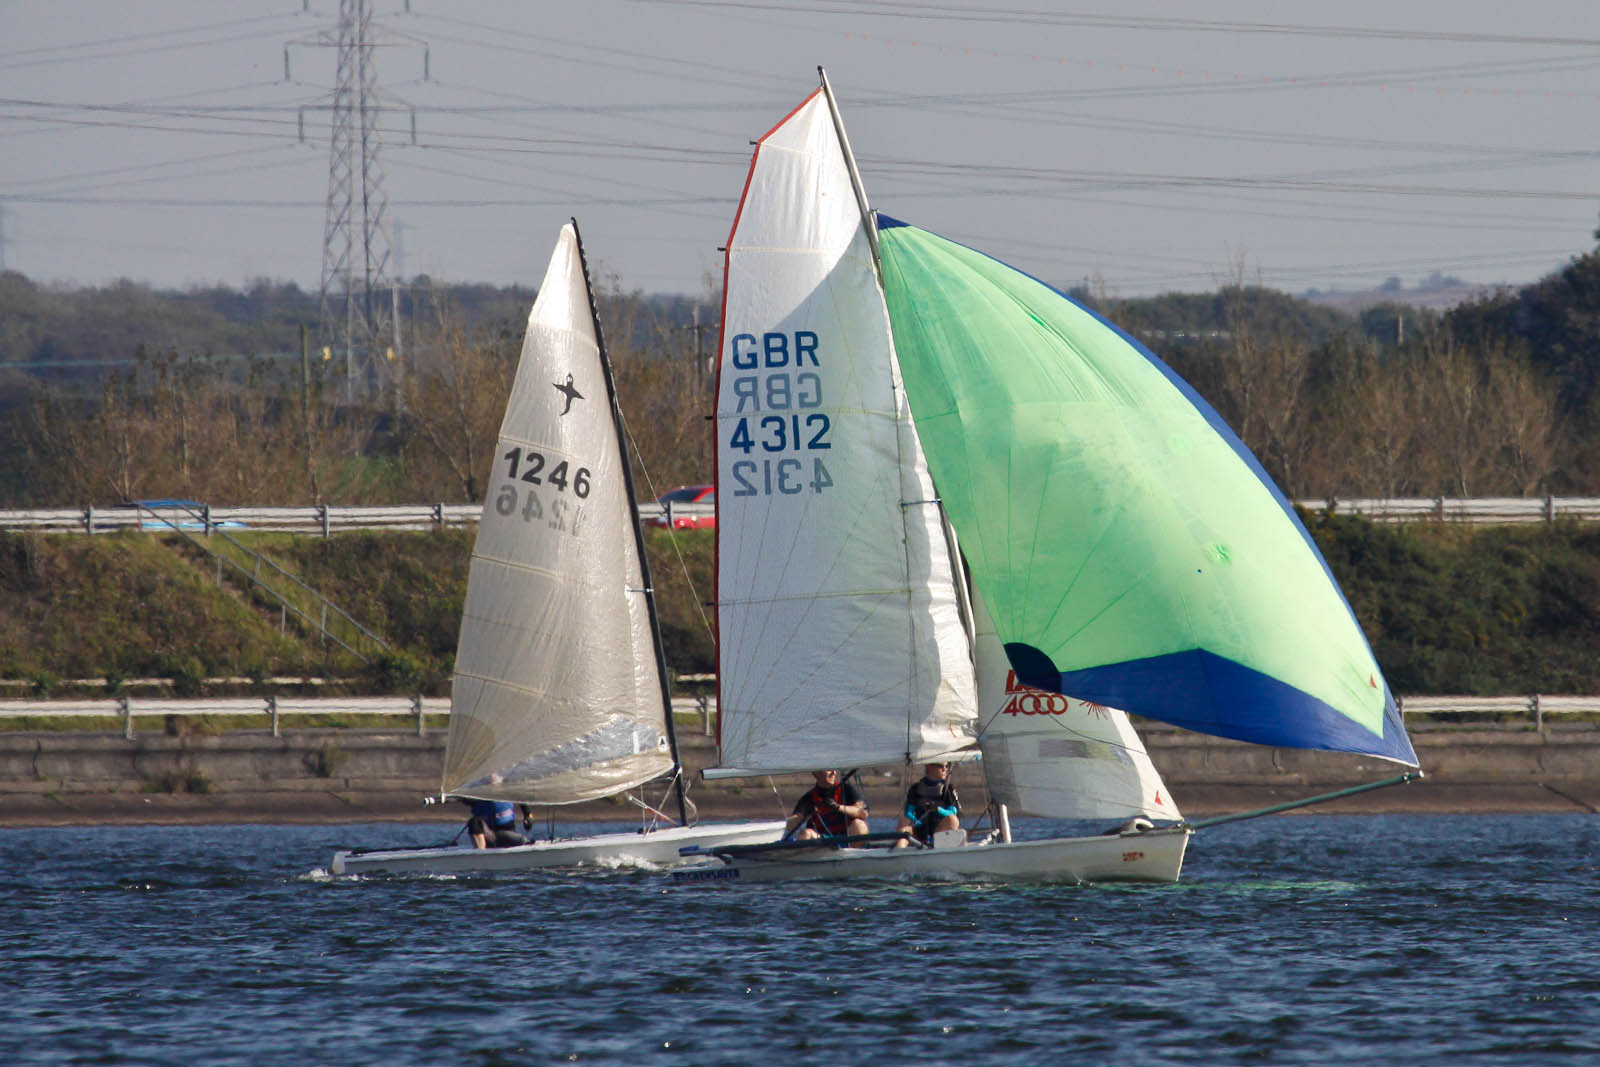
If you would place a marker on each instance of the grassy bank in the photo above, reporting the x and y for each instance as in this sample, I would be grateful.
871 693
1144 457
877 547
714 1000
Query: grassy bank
1449 609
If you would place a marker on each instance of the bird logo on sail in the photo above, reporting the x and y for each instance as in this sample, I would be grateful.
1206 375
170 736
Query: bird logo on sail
570 393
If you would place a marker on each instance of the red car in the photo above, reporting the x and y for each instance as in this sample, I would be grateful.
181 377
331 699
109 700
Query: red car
689 507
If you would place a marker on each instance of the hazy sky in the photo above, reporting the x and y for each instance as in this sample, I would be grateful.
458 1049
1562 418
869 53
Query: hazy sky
1154 146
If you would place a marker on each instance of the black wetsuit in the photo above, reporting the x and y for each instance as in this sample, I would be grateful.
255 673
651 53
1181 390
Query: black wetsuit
927 802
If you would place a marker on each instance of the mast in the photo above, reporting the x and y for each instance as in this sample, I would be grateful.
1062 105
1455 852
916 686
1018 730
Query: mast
638 531
855 175
869 223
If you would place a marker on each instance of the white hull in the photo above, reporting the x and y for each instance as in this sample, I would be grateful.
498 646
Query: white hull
659 847
1151 856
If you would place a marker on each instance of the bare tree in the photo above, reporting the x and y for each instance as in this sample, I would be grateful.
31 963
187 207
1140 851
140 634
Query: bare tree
1263 387
1522 419
665 387
454 395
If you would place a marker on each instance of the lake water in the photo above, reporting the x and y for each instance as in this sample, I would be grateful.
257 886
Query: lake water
1291 940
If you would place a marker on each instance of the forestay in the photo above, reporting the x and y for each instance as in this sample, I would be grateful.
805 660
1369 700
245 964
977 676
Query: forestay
1131 549
840 640
557 695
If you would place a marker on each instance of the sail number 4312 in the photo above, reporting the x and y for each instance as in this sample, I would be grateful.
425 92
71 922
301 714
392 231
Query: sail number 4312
763 477
779 433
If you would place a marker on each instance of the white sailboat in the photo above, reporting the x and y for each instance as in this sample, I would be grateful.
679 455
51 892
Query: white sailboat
560 691
876 381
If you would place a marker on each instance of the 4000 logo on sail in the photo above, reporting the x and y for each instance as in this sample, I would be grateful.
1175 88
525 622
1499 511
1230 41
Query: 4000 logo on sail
1025 700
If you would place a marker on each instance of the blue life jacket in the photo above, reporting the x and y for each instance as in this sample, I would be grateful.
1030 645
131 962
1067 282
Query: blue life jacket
500 814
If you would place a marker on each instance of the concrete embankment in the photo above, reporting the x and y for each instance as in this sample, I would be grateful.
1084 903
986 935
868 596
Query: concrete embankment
352 775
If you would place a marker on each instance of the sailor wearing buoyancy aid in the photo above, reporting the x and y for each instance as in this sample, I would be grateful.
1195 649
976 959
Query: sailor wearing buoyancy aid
494 824
931 805
831 808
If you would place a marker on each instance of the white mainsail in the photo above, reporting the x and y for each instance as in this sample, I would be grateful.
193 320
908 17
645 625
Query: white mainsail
840 639
558 697
1057 756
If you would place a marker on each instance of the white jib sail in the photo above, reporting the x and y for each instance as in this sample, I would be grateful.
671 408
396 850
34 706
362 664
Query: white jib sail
557 697
1056 756
840 643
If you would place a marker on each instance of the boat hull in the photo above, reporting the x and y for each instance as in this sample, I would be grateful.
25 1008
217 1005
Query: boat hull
1150 856
658 847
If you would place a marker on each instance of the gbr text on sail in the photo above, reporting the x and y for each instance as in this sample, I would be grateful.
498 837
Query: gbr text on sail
776 432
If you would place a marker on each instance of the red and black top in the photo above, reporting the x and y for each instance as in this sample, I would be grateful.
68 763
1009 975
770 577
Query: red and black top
821 807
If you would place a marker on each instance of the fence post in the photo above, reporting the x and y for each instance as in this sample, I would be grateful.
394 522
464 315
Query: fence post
1538 713
272 710
438 511
205 517
1549 508
416 706
705 713
323 511
127 717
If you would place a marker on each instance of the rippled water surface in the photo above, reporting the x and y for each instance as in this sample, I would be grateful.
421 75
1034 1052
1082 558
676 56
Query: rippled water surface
1291 940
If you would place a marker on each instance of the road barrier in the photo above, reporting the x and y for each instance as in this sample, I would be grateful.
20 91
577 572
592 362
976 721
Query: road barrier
1536 707
328 519
317 519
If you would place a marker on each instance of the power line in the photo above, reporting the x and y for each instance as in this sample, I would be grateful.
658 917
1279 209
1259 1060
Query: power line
929 12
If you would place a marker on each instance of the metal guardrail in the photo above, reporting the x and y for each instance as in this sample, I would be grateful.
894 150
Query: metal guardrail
274 707
1480 510
318 519
1536 706
330 519
327 519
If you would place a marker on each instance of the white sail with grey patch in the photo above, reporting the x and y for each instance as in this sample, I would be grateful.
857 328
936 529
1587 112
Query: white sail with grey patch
558 697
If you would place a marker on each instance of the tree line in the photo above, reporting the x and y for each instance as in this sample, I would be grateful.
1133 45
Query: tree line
124 393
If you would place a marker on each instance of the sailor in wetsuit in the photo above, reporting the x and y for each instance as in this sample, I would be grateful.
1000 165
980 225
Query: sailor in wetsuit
831 808
494 824
931 805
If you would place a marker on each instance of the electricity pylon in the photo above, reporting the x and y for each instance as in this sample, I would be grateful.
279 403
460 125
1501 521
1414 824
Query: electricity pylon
359 311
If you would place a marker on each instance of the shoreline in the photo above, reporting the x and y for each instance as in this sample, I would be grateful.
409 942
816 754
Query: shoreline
346 776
